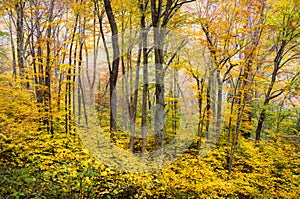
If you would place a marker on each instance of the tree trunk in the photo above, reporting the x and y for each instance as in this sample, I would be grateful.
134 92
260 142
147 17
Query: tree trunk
159 91
14 59
144 33
48 105
133 102
208 109
261 120
158 34
81 93
68 94
236 134
115 67
200 87
269 96
20 36
219 103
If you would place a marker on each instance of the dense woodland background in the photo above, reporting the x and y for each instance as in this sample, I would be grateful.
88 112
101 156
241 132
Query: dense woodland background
230 67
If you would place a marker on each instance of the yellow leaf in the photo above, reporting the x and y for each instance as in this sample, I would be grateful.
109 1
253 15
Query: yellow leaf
104 173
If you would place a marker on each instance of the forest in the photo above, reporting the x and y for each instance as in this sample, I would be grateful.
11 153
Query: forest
149 99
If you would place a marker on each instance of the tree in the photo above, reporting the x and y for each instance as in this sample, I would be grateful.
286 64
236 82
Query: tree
161 15
286 32
20 7
143 7
115 66
4 53
232 33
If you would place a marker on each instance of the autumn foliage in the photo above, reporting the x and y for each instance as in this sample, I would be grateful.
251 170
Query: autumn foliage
222 76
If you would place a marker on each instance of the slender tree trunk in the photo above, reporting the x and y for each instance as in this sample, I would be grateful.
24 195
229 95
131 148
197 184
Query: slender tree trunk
262 115
200 88
145 77
61 75
41 75
13 48
158 33
269 95
133 103
159 91
231 111
208 109
174 100
236 133
242 97
96 41
115 67
73 85
48 104
68 95
124 78
81 93
219 103
20 5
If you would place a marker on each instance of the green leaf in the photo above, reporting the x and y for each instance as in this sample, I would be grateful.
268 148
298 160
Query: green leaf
29 180
3 33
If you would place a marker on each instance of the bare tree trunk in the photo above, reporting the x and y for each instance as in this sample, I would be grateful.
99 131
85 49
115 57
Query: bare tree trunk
269 94
175 94
68 102
200 88
143 7
96 41
61 75
233 96
48 105
158 33
81 93
133 102
124 78
219 103
20 5
208 109
13 49
115 67
161 15
73 85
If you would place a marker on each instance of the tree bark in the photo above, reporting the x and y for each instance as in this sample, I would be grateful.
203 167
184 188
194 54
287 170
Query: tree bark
133 101
143 7
47 95
276 68
115 67
20 5
14 59
68 100
158 34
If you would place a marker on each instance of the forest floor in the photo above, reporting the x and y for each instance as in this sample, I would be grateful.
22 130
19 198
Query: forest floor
35 164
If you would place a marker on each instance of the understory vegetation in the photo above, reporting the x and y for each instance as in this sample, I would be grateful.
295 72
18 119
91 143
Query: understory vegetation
35 164
149 99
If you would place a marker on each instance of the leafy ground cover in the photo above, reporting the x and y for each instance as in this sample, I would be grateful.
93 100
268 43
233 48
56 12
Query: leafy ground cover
34 164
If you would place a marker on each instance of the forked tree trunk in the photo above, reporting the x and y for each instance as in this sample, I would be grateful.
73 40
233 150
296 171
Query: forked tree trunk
156 10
